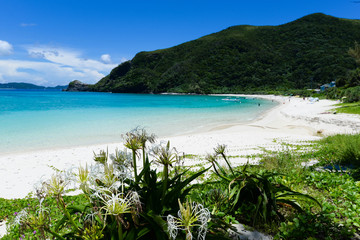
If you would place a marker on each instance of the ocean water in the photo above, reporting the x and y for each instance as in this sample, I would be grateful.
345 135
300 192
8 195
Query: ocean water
35 120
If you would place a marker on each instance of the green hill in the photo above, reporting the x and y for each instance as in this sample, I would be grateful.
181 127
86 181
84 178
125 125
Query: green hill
21 85
301 54
16 85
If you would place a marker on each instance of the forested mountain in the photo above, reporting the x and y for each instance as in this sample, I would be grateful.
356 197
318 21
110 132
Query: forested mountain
301 54
21 85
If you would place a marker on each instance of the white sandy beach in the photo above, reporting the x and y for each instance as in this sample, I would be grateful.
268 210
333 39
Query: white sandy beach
293 120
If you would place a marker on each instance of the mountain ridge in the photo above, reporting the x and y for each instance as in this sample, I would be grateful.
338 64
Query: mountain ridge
304 53
22 85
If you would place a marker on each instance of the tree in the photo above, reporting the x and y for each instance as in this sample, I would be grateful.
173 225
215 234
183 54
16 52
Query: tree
355 52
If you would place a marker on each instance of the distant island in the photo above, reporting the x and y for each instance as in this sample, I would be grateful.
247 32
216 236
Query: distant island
302 54
21 85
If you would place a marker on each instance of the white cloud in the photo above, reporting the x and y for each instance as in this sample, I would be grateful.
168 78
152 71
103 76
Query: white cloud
28 24
44 73
68 57
106 58
51 66
5 48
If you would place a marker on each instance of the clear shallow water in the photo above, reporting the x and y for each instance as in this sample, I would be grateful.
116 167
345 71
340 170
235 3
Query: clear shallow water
33 120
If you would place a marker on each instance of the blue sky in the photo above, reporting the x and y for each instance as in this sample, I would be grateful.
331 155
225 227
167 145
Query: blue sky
52 42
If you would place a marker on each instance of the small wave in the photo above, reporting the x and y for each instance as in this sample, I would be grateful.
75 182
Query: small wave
232 99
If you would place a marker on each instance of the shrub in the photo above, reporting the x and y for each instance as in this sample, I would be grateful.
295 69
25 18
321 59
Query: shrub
254 194
352 94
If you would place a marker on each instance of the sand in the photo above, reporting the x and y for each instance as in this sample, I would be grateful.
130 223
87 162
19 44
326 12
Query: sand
294 120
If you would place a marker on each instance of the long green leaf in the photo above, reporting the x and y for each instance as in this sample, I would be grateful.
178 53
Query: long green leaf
298 195
293 204
178 187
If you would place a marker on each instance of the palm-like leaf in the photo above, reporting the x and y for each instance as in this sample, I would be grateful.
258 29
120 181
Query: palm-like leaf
256 189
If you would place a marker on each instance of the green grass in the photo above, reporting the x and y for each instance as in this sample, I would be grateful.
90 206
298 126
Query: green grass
340 149
10 207
352 108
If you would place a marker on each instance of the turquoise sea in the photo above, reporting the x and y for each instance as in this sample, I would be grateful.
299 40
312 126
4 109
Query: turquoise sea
34 120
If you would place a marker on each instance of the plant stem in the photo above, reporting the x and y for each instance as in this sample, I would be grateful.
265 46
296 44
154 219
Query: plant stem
215 169
120 232
188 234
134 163
143 153
55 234
223 155
165 183
67 214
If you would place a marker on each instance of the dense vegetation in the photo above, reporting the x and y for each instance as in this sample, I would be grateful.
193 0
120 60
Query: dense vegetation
281 196
348 87
301 54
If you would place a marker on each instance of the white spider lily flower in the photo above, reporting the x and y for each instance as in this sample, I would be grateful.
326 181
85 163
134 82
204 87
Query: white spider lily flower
163 154
118 204
68 174
91 216
105 177
80 176
85 177
173 226
99 191
56 185
40 218
20 216
190 215
95 172
39 188
122 159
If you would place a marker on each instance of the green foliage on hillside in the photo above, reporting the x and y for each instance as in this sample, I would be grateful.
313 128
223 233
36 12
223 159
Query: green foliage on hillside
355 52
348 87
347 95
301 54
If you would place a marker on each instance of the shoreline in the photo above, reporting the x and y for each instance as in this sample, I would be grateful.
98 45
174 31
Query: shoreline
293 120
95 124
